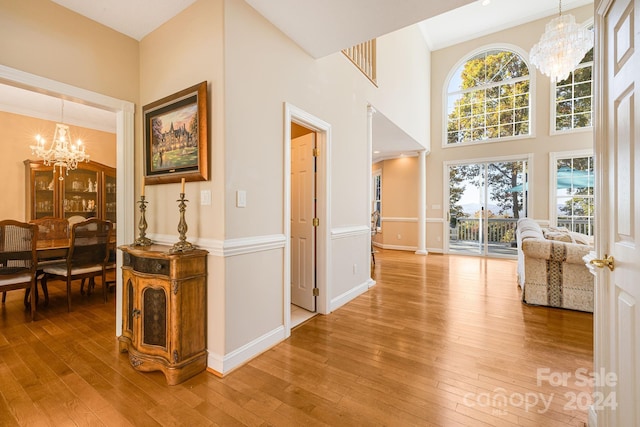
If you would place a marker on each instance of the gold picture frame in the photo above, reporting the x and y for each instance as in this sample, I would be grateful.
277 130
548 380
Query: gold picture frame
176 138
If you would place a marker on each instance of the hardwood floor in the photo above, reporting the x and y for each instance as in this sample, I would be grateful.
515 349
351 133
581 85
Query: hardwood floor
439 341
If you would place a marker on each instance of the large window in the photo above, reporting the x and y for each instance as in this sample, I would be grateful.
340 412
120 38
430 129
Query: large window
572 191
573 106
488 98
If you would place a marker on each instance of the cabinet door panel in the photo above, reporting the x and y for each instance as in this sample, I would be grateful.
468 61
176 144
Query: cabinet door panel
154 306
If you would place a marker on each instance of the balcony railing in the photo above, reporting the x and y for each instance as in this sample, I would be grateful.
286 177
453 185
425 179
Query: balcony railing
363 56
500 230
584 226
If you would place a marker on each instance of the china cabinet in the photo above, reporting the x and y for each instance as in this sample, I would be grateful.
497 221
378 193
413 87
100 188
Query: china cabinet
164 310
88 191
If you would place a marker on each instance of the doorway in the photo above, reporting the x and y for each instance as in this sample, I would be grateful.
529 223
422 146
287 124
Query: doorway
486 199
124 114
295 117
303 223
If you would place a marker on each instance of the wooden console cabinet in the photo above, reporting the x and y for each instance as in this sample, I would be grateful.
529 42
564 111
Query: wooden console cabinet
164 310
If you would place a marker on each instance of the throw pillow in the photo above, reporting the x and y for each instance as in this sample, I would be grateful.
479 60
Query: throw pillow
581 239
559 229
559 236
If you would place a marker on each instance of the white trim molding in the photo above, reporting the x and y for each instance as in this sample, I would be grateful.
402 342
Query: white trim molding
399 219
224 364
436 220
229 247
349 231
352 293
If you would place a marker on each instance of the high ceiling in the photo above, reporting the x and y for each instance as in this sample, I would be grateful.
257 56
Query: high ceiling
341 23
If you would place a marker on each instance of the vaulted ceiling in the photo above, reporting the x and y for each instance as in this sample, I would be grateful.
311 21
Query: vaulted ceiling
319 27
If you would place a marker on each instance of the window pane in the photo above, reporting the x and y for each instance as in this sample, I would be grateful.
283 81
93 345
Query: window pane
582 89
563 122
564 92
582 74
506 130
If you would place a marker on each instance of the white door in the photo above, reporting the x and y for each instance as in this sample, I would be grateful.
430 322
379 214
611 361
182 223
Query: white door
617 316
303 239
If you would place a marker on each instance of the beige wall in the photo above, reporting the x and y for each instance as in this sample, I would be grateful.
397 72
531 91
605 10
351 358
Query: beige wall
183 52
399 203
540 144
48 40
18 134
263 70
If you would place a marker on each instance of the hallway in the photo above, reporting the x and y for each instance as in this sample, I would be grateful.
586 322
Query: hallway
439 341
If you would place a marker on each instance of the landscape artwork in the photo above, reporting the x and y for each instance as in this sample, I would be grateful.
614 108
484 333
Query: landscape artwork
174 139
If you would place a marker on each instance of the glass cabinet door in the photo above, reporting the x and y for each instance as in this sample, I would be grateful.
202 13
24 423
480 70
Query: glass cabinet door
110 198
43 193
80 193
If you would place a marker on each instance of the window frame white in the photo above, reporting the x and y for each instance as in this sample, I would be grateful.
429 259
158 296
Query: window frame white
532 91
552 98
553 179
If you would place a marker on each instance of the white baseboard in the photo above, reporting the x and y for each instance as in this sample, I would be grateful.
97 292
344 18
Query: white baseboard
341 300
225 364
436 250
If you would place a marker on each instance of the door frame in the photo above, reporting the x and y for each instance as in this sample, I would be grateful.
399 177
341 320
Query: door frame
124 116
528 157
323 211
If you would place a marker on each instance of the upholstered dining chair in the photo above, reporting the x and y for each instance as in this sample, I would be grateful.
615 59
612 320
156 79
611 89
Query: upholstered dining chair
87 257
18 258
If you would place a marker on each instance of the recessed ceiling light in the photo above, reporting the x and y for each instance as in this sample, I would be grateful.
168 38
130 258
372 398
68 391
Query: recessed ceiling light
485 2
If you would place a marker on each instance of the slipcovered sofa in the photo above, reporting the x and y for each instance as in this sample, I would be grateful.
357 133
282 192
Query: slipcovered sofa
551 271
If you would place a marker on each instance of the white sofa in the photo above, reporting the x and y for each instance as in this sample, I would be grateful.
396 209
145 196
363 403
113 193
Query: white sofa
551 271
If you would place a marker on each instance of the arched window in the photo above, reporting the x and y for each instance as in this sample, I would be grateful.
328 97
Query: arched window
488 98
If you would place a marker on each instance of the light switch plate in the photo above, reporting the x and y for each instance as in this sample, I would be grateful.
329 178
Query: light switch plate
241 199
205 197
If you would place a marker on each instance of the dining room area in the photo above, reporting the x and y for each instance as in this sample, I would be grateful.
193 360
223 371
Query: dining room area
58 216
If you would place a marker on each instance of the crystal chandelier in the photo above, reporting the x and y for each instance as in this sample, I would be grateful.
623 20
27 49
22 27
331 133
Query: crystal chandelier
561 47
63 152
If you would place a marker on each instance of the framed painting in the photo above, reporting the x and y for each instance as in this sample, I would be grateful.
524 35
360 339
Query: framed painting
176 137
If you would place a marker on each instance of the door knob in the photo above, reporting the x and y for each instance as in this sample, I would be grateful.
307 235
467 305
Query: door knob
608 261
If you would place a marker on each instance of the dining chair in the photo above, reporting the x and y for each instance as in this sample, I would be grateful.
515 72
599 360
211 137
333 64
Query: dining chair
49 228
87 257
18 258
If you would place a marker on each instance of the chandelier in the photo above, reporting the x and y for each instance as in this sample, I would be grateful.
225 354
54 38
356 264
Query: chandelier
561 47
63 152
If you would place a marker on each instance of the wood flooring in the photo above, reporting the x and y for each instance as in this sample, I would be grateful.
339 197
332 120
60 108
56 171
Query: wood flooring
438 341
